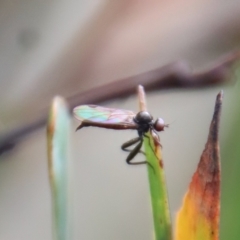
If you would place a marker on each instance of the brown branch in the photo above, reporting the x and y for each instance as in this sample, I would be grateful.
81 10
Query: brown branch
174 75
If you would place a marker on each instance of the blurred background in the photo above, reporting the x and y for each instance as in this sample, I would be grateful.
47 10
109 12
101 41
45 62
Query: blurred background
63 48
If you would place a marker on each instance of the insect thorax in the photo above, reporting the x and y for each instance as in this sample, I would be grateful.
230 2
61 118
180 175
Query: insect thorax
144 120
143 128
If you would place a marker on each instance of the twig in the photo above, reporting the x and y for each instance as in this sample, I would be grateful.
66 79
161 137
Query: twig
174 75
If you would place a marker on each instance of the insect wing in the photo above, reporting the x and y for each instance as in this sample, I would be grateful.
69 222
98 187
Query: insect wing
92 115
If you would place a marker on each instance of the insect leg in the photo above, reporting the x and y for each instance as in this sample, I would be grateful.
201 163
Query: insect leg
133 141
135 151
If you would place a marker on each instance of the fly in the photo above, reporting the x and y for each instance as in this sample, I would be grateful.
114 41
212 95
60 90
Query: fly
119 119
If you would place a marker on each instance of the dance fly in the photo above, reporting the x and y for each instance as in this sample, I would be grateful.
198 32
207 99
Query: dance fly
120 119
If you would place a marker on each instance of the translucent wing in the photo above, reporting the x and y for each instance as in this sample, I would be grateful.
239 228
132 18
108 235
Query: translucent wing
93 115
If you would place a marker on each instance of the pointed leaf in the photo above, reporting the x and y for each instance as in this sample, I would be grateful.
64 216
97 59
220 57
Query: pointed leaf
198 219
58 129
158 190
157 184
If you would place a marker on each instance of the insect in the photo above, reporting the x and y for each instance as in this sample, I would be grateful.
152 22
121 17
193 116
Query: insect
119 119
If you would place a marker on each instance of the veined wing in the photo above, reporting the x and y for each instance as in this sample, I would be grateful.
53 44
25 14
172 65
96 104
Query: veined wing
93 115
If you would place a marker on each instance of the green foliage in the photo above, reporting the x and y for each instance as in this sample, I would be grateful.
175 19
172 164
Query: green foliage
230 202
158 190
58 143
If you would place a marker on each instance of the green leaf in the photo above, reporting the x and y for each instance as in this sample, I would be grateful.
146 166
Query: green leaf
158 189
58 130
230 210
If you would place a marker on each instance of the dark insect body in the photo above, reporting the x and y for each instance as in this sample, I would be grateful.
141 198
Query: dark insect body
119 119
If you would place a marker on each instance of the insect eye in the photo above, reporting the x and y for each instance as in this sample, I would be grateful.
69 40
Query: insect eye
159 125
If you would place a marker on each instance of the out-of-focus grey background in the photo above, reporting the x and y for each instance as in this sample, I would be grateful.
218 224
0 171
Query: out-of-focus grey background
65 47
